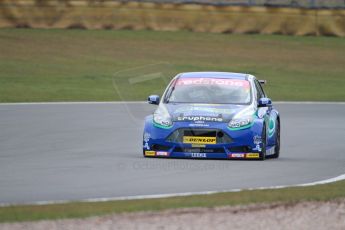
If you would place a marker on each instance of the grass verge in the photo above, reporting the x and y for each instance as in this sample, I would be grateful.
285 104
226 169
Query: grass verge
95 65
85 209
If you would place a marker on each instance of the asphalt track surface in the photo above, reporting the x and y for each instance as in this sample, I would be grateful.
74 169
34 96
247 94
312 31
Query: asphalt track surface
62 151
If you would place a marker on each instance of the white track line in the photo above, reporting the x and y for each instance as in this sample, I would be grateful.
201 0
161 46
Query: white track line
157 196
142 102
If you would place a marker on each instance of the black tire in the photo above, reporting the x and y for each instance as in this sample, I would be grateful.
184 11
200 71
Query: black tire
277 144
264 142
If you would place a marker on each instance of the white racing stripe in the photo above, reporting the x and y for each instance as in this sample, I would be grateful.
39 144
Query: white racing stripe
157 196
142 102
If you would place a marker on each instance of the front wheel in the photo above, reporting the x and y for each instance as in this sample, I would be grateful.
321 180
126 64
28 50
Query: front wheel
277 142
264 143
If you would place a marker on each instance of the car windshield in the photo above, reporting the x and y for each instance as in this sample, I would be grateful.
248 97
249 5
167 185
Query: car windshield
210 91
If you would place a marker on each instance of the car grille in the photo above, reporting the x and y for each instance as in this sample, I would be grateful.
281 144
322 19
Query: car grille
177 135
157 147
240 149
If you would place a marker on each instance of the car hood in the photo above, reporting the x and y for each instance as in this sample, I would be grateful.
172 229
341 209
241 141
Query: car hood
206 112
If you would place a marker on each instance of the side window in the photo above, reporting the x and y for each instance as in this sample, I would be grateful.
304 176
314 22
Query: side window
262 90
259 90
170 88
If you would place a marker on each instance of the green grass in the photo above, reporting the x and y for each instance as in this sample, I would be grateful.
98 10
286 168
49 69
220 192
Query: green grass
83 65
84 209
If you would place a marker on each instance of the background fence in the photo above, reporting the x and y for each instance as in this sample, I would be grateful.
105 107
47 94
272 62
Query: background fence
312 4
234 18
318 4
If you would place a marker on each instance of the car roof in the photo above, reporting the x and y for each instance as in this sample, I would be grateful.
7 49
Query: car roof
214 75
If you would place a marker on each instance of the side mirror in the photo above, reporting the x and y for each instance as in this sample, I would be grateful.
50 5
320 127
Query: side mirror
153 99
265 102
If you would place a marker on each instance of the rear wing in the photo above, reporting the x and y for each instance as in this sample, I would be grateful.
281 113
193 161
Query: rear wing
262 82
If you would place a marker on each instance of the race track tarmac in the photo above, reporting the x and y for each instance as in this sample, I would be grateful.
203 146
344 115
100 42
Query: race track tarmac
79 151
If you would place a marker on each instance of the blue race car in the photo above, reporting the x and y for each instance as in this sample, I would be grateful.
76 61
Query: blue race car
214 115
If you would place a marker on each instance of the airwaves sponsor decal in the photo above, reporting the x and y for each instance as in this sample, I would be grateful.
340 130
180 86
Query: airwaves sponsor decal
200 118
199 140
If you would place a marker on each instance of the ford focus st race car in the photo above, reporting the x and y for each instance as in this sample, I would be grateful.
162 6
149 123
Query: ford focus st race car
212 115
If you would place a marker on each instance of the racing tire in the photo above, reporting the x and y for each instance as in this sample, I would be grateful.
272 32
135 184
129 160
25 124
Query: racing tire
264 143
277 142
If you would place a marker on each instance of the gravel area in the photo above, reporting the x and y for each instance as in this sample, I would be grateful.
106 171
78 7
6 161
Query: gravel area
303 215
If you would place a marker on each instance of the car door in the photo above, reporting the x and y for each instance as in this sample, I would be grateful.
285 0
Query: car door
267 114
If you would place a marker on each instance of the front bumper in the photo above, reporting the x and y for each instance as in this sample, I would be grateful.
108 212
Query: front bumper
199 155
239 144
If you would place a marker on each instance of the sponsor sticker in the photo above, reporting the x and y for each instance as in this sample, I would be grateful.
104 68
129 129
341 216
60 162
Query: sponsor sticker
270 151
253 155
200 119
271 127
150 153
162 154
198 155
257 139
199 140
198 146
147 137
199 125
236 155
204 108
257 148
213 81
146 146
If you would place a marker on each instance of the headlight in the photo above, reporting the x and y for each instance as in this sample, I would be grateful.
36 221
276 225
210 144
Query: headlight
162 118
241 123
